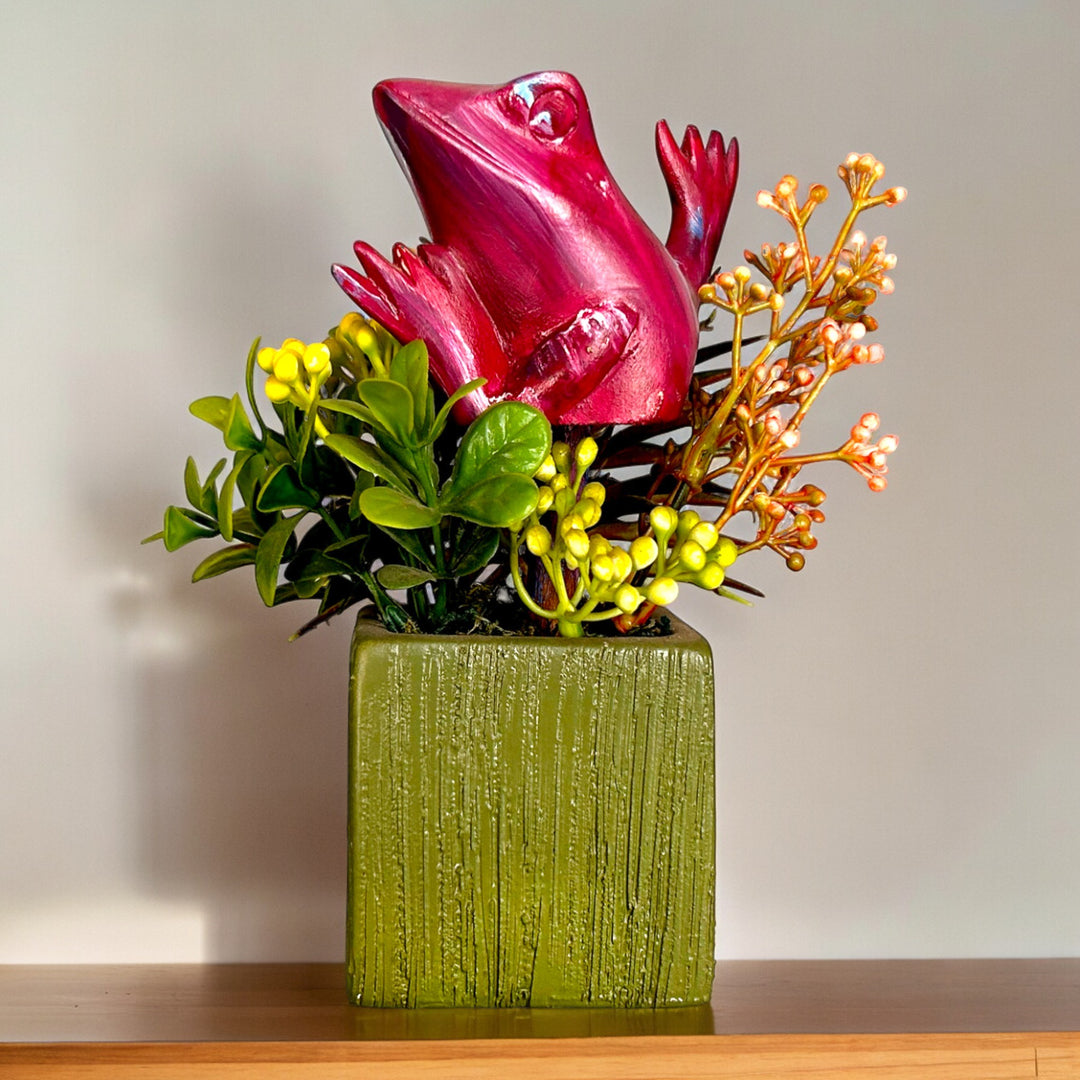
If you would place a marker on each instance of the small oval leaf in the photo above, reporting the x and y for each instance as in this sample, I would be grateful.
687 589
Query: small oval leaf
509 437
393 508
213 410
391 404
237 428
268 556
402 577
222 561
496 502
181 527
370 458
283 491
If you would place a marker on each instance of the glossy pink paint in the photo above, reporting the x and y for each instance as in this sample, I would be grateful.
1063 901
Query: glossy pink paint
540 277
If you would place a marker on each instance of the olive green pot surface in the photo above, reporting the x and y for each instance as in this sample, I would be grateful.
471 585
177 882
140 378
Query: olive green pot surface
531 820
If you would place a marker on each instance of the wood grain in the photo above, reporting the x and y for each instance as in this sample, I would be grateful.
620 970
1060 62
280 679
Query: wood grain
159 1022
732 1058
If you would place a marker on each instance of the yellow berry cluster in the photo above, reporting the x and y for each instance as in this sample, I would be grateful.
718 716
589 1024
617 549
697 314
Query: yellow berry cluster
354 349
682 547
295 371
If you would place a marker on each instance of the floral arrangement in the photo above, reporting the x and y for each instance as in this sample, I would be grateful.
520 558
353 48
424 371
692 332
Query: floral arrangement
356 480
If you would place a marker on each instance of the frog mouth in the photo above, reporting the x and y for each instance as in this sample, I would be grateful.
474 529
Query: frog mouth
413 113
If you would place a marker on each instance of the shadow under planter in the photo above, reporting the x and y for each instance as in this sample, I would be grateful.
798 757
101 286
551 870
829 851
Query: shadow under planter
531 820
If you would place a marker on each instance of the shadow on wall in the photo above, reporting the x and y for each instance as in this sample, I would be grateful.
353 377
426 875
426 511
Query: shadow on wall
239 757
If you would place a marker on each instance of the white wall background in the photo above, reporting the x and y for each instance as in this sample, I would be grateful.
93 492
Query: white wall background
899 741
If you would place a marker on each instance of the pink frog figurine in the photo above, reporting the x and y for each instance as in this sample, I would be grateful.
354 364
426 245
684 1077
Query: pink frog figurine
540 277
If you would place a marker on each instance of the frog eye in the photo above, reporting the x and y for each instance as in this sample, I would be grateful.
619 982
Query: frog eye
552 115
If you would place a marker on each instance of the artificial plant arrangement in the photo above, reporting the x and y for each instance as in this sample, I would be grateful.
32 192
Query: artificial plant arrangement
407 463
523 446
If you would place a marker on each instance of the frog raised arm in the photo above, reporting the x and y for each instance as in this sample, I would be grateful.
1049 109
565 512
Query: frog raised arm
540 277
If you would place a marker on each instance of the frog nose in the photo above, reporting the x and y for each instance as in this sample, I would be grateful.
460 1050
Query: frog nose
397 100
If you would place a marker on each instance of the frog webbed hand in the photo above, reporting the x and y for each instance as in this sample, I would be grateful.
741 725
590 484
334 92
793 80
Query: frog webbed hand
701 182
427 294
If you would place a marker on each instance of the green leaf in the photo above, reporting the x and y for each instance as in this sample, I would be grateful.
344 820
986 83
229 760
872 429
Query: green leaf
475 552
282 490
249 384
402 577
250 476
308 587
268 556
411 542
364 480
510 437
349 408
388 506
370 458
496 502
225 498
391 404
209 503
181 527
409 367
245 527
349 552
192 487
224 560
284 593
214 410
237 428
451 401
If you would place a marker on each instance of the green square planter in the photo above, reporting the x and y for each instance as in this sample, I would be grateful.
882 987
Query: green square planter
531 820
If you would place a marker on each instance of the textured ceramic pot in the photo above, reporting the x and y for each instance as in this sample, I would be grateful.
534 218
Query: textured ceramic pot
531 820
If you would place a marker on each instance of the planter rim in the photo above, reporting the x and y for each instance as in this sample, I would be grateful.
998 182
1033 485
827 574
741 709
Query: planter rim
682 634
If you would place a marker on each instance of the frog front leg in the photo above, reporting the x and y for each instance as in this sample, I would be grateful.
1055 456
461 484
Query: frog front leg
574 359
426 294
701 182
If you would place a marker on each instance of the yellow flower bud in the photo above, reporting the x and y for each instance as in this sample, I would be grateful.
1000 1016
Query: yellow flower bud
294 346
628 599
624 565
643 552
589 511
586 452
710 577
538 539
558 483
277 391
598 545
705 534
595 491
662 591
692 555
725 551
663 520
547 470
265 358
316 358
687 520
545 499
560 454
571 562
577 543
603 569
286 366
350 324
571 521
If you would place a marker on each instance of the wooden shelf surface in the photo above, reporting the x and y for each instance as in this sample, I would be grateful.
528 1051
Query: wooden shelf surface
890 1020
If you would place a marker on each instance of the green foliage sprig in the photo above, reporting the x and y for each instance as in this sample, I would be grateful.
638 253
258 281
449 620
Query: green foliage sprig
363 489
